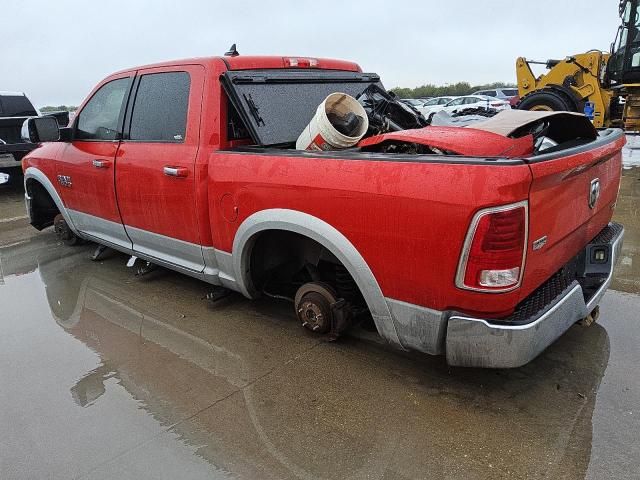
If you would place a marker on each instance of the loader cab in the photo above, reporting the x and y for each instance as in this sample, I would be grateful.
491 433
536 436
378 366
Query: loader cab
624 64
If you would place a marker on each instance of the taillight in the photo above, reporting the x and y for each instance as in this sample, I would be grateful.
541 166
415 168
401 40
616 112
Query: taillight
494 251
300 62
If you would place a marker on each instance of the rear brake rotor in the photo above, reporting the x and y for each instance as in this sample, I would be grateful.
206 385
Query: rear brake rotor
313 304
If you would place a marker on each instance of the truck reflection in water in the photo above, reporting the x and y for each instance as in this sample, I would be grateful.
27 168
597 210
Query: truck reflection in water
353 409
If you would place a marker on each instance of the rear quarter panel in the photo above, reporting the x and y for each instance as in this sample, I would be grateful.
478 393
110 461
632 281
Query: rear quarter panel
407 219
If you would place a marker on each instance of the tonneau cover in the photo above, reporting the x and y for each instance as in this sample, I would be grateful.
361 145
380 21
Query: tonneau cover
276 105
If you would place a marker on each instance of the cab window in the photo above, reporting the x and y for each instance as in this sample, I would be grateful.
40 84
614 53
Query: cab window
99 118
160 107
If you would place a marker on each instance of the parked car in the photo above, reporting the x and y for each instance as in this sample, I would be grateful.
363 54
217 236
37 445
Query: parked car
506 93
434 105
487 256
15 108
413 102
473 102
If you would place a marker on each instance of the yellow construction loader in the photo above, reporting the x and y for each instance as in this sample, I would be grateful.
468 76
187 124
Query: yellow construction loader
605 86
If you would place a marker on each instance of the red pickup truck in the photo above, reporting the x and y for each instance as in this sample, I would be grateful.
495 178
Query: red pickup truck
457 247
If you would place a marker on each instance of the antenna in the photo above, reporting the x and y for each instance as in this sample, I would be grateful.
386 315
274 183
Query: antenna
232 52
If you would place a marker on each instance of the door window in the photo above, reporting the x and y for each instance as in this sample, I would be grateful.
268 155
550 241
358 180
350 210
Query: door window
160 109
457 101
98 120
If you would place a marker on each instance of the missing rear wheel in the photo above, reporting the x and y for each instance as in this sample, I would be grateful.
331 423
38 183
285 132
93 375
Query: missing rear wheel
314 304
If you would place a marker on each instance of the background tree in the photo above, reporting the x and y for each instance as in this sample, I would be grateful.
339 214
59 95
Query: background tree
454 89
60 108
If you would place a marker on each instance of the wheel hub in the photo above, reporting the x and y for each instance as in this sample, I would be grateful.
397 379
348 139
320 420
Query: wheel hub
63 232
311 315
313 305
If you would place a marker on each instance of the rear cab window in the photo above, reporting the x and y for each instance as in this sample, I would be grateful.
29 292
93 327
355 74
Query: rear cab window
159 111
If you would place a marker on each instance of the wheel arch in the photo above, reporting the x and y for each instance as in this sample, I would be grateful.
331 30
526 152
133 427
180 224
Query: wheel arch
327 236
32 175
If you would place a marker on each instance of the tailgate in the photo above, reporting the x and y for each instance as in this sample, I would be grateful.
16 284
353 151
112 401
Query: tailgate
572 196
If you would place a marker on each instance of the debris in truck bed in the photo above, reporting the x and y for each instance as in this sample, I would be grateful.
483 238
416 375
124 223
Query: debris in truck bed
541 131
444 119
347 124
449 140
339 122
386 113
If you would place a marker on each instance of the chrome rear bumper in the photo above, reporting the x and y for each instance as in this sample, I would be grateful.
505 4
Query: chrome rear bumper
476 342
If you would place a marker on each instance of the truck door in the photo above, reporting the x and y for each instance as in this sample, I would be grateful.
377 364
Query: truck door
155 166
85 169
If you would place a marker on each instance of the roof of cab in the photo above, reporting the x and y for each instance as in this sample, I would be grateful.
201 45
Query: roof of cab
253 62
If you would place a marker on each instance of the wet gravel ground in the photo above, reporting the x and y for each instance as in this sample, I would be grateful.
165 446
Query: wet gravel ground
108 375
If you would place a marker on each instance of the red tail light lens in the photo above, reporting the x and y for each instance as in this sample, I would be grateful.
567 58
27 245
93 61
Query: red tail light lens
494 250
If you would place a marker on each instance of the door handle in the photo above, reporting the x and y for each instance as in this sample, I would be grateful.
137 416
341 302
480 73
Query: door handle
175 171
101 163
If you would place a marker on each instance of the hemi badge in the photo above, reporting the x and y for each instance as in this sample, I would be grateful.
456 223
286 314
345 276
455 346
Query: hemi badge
65 180
541 242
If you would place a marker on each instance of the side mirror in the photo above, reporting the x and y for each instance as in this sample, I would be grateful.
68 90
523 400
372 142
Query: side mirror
62 117
40 129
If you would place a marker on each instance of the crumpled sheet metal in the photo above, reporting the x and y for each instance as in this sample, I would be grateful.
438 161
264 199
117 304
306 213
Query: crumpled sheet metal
460 141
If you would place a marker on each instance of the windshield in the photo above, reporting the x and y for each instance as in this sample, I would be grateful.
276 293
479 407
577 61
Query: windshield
16 106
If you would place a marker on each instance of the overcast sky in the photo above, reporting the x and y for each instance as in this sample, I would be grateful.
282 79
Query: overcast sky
57 50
